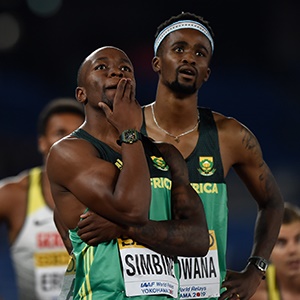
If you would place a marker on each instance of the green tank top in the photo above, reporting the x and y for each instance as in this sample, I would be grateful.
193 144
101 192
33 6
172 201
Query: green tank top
207 178
98 269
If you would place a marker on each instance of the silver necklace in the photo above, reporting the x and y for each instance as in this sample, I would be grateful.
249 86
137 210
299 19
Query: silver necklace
176 137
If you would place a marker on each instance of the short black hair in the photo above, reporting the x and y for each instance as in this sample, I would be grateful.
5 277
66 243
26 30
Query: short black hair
58 106
183 16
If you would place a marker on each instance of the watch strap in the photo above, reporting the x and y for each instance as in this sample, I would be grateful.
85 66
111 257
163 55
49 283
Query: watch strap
260 263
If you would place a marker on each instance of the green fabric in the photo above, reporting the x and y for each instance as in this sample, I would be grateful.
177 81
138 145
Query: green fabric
209 182
98 269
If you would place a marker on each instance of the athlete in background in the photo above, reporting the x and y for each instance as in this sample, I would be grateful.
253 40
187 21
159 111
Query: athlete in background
26 208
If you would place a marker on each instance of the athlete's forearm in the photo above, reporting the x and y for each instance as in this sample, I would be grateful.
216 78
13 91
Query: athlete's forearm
133 191
267 227
173 237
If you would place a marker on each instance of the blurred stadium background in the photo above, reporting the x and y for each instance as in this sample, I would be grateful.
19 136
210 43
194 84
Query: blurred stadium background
255 79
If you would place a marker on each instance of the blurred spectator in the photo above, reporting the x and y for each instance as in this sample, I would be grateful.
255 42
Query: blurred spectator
283 275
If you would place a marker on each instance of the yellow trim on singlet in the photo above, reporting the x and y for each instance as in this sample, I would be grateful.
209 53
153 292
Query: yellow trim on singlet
273 292
35 195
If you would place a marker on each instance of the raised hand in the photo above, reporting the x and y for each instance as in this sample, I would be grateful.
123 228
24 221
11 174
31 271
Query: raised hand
126 112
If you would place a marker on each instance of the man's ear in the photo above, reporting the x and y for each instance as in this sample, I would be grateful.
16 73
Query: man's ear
42 145
156 64
80 94
208 72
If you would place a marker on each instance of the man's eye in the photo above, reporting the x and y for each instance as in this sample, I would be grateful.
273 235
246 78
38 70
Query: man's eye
178 49
199 53
125 68
100 67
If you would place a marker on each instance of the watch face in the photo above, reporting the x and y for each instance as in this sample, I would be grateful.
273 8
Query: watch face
130 136
262 265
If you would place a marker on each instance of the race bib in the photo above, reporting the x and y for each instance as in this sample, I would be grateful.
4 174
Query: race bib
146 272
200 276
49 272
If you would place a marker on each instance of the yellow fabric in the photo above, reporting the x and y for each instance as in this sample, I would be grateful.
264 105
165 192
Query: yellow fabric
273 291
35 195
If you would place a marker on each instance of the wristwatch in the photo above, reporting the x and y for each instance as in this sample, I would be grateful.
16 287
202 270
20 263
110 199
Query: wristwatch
260 263
129 136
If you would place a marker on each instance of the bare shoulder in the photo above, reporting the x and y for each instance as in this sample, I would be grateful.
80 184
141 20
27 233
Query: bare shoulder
14 187
66 158
74 161
70 146
233 132
229 125
13 202
70 150
238 145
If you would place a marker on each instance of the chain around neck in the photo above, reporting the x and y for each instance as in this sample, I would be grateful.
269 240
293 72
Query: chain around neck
176 137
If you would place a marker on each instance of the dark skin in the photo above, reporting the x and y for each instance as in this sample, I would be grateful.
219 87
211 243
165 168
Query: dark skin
84 180
184 56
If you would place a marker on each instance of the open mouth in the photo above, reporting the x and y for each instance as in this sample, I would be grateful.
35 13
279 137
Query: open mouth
187 71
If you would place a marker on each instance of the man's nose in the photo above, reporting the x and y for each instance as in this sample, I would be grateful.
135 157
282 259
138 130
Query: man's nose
116 72
189 57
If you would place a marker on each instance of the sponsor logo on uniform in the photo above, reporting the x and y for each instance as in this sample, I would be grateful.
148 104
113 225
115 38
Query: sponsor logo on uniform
206 164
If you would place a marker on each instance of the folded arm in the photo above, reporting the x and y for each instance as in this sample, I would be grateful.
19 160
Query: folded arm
185 235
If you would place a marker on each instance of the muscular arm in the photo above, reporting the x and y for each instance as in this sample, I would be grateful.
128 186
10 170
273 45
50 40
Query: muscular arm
186 234
13 203
79 178
261 183
241 150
